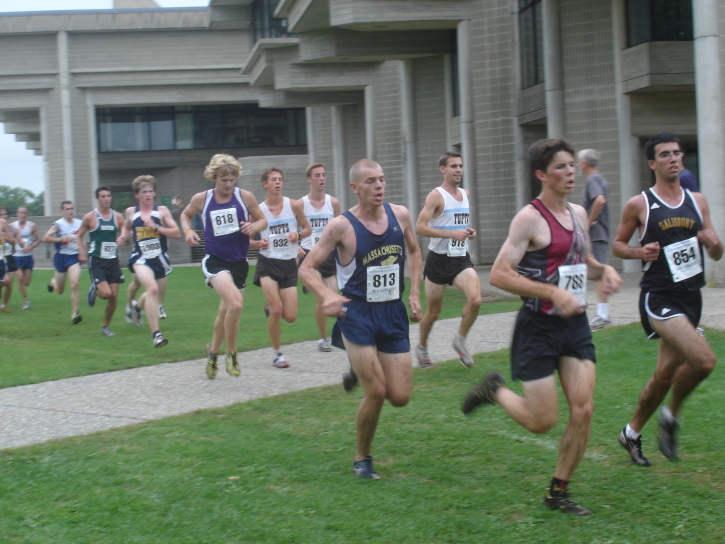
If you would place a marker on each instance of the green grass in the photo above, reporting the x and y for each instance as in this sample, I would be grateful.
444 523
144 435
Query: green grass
46 347
277 470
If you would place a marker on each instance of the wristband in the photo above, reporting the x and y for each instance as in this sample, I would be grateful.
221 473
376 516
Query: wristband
187 231
298 236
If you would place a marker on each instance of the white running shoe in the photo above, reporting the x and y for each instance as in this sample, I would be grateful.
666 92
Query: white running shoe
423 358
324 344
459 344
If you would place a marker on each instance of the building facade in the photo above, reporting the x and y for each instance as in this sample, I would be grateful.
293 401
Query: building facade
398 81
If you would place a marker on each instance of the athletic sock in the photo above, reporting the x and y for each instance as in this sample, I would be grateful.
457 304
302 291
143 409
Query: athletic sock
603 310
558 486
634 435
667 414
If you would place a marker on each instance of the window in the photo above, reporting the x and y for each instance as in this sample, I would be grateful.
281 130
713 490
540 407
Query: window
455 83
199 127
658 21
531 41
264 25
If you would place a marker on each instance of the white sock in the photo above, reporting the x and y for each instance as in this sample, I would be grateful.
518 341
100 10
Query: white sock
603 310
666 414
634 435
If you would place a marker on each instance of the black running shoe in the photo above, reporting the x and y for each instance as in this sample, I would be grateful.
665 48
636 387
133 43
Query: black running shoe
76 318
483 392
50 287
564 503
91 296
634 447
365 469
349 381
667 437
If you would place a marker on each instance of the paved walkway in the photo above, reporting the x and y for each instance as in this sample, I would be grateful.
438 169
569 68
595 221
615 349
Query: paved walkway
31 414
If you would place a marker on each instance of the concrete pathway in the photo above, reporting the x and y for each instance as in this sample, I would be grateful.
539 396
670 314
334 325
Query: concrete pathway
36 413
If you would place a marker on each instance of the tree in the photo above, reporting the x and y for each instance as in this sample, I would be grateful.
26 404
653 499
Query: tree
14 197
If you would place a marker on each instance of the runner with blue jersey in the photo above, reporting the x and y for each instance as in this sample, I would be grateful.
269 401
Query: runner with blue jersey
148 226
372 240
63 234
231 217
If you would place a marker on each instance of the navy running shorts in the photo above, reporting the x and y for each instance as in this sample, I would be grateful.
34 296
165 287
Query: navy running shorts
380 324
539 340
63 262
662 306
160 265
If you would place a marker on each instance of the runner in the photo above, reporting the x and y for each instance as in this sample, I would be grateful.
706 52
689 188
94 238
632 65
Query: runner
319 209
63 234
103 225
276 271
6 238
10 265
445 220
148 226
371 240
28 232
225 211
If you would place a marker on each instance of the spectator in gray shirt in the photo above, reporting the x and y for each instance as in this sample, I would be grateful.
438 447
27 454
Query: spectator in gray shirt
595 202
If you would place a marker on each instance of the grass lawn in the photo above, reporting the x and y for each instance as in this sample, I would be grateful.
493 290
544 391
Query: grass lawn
277 470
45 346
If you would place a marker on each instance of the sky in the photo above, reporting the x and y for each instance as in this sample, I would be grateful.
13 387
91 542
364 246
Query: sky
18 166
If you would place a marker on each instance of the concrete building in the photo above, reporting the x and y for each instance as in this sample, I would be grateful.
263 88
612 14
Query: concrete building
399 81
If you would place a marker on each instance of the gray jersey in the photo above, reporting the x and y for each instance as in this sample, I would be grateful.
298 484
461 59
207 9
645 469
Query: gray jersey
597 185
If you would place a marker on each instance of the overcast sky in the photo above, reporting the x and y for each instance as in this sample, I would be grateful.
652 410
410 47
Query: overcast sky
18 166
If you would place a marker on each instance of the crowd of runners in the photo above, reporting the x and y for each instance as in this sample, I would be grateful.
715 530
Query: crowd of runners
354 263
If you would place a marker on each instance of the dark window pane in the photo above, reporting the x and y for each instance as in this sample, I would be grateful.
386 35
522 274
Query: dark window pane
658 20
123 133
161 131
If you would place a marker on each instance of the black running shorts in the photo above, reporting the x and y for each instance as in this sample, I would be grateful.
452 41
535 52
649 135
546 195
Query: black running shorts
442 269
661 306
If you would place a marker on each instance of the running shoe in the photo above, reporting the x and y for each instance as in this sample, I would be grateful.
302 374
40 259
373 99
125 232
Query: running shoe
4 309
159 340
483 392
599 322
162 313
563 502
634 447
266 309
349 381
91 296
365 469
76 318
324 344
106 331
26 305
232 364
667 437
280 361
423 358
459 344
211 366
136 314
51 287
129 316
305 290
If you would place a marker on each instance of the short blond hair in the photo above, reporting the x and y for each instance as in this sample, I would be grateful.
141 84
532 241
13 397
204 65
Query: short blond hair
314 165
141 181
359 166
221 165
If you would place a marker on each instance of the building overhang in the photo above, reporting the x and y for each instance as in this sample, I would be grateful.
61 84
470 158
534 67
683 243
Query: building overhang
271 98
659 67
229 14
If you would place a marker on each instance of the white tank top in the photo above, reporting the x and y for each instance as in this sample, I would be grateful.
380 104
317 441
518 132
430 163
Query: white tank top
26 233
65 228
455 216
318 220
277 231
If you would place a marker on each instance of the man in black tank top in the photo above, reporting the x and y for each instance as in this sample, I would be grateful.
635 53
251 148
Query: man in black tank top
673 226
546 261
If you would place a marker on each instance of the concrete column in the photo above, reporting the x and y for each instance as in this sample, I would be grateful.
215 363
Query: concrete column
44 136
370 122
93 140
338 158
710 136
410 150
66 116
468 133
553 75
629 182
310 127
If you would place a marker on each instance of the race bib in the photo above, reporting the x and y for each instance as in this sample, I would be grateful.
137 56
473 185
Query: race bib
382 284
108 250
280 247
150 248
224 221
315 238
684 259
457 248
573 279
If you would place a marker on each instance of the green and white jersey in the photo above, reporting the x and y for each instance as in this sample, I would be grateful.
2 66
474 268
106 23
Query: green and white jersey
103 237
